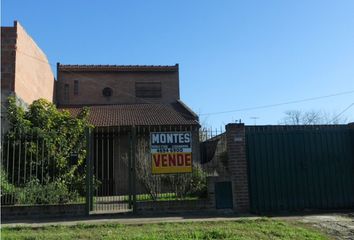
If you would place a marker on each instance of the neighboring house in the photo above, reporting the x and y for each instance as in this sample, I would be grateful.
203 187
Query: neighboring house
25 70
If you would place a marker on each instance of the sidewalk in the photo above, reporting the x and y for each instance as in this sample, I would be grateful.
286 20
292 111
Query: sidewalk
128 219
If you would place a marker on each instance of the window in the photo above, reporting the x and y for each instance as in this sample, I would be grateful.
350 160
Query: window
76 87
66 92
148 89
107 92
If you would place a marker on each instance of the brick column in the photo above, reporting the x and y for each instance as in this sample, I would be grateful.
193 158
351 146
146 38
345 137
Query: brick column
351 131
237 160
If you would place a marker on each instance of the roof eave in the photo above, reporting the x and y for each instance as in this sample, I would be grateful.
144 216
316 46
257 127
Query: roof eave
117 68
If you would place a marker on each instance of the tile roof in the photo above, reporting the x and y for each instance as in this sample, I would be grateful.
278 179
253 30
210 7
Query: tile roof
119 68
136 114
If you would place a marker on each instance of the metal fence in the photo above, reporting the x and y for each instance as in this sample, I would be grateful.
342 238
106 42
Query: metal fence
213 152
30 173
122 174
117 173
300 167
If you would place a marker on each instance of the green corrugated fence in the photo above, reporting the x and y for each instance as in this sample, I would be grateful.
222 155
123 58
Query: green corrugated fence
300 167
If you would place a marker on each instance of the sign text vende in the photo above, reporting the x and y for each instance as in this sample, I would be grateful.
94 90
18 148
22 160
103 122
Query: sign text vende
171 152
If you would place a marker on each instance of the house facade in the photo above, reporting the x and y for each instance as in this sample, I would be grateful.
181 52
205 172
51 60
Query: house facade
120 98
116 84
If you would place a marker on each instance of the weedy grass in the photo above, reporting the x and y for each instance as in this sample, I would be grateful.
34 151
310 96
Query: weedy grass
241 229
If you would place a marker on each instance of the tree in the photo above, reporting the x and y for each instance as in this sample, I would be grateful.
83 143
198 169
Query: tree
297 117
60 136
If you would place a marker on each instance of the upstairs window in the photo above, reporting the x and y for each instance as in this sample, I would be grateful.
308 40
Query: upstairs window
76 87
66 92
107 92
148 89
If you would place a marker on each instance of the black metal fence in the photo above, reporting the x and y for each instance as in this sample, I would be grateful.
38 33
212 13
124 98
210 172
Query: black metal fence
31 173
122 167
118 174
213 152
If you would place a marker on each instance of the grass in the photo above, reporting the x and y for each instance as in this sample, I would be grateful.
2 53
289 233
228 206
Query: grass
145 197
125 198
241 229
164 197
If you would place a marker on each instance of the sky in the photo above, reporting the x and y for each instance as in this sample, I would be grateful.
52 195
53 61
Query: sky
233 55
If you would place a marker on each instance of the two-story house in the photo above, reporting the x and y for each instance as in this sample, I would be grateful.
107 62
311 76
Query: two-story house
119 95
120 98
126 104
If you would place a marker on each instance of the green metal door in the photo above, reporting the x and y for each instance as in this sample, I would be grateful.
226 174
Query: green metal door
300 167
223 195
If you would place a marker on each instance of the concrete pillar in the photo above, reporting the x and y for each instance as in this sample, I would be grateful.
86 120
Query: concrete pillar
236 149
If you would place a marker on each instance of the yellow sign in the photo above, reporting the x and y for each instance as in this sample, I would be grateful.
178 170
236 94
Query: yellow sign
171 163
171 152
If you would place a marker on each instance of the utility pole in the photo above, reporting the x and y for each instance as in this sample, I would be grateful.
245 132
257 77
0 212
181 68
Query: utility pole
255 120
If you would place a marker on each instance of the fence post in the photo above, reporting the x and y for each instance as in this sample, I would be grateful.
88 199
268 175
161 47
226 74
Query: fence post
130 169
89 195
236 150
133 167
351 131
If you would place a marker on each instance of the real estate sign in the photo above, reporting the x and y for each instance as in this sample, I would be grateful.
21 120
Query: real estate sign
171 152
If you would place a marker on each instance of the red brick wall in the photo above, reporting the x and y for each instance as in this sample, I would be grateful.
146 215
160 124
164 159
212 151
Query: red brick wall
8 57
91 85
236 149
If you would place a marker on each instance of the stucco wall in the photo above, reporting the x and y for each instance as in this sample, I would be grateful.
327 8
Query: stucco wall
33 75
25 71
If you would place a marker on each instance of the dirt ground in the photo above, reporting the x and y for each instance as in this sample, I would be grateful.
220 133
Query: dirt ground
337 225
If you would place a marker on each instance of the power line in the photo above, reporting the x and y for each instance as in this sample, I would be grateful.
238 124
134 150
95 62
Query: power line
346 109
98 82
86 78
279 104
211 113
34 57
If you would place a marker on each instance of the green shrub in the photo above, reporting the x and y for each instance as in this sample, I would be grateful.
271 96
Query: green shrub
187 185
29 193
34 192
198 182
5 186
55 132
